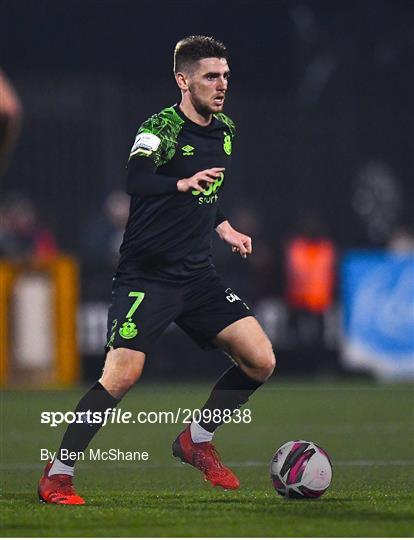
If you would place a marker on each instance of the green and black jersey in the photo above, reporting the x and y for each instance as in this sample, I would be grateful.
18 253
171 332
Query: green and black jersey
169 233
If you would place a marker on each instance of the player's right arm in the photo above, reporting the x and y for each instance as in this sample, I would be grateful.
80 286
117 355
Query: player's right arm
143 180
154 146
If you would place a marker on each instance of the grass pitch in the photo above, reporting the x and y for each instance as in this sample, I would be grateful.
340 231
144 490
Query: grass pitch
366 428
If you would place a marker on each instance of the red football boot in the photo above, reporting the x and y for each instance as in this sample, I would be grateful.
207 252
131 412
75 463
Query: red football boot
57 489
204 456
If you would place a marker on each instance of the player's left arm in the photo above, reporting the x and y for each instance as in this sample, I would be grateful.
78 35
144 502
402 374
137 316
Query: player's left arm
240 243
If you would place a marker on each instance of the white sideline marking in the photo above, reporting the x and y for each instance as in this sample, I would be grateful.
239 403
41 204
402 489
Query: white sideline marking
352 463
404 387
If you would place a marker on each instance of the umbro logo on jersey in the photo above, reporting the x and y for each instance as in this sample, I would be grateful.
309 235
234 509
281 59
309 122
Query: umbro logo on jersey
188 150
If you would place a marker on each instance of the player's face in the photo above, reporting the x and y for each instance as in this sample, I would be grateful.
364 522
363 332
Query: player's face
208 85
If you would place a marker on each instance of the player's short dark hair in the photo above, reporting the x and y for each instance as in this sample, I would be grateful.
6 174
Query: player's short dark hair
193 48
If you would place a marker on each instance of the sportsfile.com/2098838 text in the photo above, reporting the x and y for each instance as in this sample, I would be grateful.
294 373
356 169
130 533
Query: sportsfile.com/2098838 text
117 416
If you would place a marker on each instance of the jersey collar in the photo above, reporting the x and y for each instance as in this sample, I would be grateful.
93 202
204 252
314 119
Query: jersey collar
193 124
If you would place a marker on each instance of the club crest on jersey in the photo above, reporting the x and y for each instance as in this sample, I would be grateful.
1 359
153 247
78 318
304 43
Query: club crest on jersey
145 144
128 330
188 150
227 147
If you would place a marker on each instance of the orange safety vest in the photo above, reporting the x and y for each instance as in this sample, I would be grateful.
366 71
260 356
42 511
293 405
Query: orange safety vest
310 274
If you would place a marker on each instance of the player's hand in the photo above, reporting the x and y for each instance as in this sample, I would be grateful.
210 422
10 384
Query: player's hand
200 180
240 243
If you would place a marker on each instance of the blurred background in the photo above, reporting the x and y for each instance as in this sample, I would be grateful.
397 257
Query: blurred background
322 95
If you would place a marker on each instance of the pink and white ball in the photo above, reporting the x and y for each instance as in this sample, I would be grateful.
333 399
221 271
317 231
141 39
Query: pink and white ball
301 470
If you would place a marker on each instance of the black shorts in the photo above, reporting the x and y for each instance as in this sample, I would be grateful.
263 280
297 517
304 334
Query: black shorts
143 307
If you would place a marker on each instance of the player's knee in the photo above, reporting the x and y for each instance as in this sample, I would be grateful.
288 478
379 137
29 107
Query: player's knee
272 362
261 363
266 361
121 372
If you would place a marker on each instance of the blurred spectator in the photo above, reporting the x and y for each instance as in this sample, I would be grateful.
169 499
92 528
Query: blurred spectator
22 238
10 119
103 236
310 261
402 241
310 269
101 243
377 199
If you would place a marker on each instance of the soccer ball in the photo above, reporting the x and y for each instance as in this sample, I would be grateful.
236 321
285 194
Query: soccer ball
301 470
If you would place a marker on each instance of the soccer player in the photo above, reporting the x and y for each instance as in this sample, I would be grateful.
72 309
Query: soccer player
178 166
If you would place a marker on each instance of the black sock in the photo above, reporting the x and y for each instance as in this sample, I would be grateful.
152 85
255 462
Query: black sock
78 436
231 391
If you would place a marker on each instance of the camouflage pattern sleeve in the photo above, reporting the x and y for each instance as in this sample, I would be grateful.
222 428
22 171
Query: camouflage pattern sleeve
228 122
157 137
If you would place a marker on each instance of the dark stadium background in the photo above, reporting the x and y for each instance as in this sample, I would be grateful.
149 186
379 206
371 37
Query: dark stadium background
319 91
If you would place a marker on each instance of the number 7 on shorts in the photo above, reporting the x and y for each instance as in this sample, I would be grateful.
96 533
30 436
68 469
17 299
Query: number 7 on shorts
139 298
